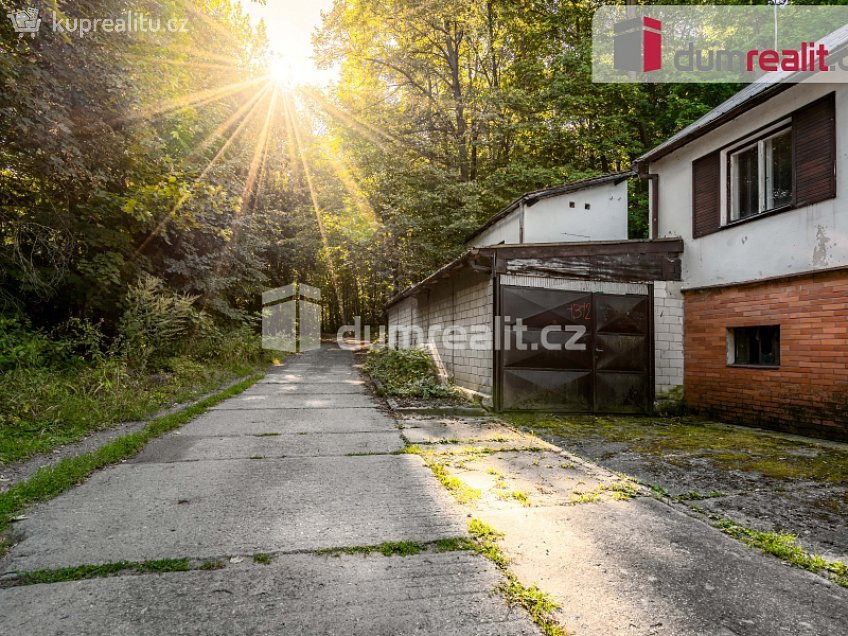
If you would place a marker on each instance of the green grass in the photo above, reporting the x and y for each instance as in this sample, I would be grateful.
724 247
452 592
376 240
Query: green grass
619 491
262 558
41 409
401 548
98 571
786 548
516 495
461 491
728 448
50 481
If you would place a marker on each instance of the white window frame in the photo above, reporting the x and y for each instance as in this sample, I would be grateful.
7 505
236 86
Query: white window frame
763 166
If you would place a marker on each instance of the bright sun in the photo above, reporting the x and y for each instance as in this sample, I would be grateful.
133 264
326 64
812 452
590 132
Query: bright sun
281 71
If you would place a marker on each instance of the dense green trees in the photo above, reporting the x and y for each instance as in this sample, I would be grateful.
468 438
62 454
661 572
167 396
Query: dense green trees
171 155
453 109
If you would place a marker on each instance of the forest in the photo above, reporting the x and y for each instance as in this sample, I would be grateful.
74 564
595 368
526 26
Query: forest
153 184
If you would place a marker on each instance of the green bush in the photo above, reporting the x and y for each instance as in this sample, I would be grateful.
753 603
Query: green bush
21 347
407 373
57 388
154 319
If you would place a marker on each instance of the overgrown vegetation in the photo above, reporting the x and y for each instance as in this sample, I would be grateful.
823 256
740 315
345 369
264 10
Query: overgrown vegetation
57 387
50 481
407 373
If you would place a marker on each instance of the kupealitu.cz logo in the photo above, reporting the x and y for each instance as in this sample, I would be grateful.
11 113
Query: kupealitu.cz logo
25 21
28 21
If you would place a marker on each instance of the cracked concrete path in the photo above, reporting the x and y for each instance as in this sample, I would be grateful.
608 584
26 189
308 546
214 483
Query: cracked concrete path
300 462
615 559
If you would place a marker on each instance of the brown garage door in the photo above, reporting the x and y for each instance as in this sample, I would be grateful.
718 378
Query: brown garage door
578 352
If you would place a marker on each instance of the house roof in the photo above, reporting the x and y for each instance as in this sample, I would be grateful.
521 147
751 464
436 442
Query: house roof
752 95
532 197
483 258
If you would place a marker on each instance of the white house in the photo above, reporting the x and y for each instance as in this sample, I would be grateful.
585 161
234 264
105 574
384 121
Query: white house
589 210
757 189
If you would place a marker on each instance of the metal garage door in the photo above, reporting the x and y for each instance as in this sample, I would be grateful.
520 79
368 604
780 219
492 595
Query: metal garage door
601 360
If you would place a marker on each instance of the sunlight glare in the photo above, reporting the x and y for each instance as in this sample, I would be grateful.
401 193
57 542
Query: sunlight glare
281 72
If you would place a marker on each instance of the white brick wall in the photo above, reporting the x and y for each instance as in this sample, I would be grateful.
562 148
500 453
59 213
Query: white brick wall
668 336
465 301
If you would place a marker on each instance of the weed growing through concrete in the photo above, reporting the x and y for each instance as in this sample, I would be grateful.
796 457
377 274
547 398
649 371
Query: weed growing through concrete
538 604
401 548
786 548
215 564
516 495
619 491
262 558
99 571
462 492
694 495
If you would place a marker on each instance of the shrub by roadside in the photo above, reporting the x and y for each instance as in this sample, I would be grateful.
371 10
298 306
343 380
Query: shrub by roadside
407 373
57 387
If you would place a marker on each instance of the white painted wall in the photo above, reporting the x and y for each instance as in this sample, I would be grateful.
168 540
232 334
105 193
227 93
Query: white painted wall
802 240
553 220
507 230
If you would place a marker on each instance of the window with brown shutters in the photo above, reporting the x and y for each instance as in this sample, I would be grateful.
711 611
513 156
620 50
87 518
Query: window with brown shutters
814 128
784 165
706 197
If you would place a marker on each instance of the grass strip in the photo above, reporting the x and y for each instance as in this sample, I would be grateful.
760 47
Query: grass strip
785 547
538 604
99 571
401 548
51 481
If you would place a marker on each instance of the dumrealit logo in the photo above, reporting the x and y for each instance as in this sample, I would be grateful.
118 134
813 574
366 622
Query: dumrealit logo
638 45
720 43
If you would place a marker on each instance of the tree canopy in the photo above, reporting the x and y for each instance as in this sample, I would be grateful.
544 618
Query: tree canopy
175 155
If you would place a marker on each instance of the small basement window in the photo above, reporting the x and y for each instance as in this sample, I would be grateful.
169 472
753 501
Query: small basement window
754 346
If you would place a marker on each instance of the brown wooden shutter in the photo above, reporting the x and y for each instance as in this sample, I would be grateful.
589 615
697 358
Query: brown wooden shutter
706 199
814 148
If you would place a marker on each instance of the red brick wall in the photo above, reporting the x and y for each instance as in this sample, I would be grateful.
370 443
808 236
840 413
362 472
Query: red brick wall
809 392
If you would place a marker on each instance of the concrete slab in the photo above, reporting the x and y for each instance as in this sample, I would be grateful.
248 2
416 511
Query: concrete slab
306 389
297 421
295 401
206 509
642 567
435 430
178 448
307 377
297 594
543 478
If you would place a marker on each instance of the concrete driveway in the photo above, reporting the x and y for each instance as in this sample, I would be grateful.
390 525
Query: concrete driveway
254 494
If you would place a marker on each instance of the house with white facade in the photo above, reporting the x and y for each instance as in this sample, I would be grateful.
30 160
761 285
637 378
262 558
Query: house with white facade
599 316
757 190
588 210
